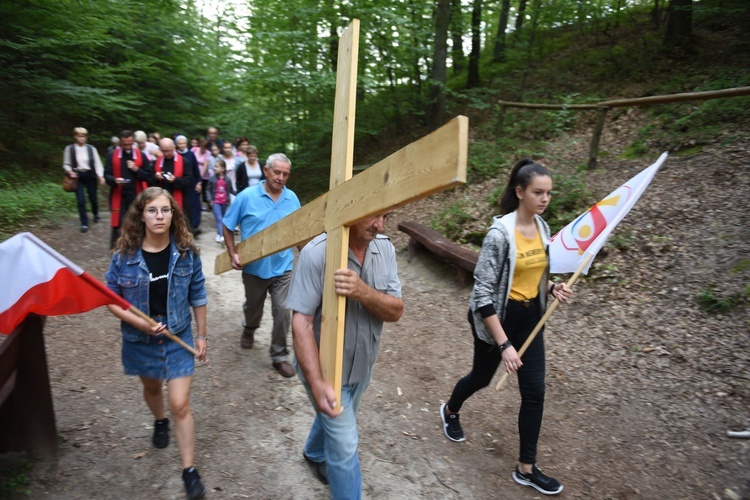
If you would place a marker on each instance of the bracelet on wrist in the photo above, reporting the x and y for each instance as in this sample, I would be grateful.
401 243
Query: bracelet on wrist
505 345
552 289
203 337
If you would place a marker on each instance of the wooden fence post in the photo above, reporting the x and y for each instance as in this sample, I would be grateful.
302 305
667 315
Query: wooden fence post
594 147
499 121
27 418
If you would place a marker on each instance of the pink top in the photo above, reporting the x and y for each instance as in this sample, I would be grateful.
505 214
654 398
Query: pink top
221 191
204 160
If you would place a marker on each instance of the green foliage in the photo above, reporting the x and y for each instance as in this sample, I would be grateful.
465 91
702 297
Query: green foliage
101 65
713 303
541 125
451 221
637 148
14 481
569 199
39 201
486 160
741 266
681 127
620 240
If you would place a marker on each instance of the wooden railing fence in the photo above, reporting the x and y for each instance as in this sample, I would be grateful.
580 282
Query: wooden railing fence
604 106
27 418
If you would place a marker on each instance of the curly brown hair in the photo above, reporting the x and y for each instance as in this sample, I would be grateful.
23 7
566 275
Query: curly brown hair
133 229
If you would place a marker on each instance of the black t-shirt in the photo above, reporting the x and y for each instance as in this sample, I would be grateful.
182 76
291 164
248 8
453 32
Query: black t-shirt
158 267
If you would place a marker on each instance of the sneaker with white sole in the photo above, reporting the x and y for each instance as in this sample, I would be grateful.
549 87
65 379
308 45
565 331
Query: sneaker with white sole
451 425
538 480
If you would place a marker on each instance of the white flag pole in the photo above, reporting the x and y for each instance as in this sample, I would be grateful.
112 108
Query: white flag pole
546 316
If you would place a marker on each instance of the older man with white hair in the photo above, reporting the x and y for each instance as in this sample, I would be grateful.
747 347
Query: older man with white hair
173 173
149 149
253 210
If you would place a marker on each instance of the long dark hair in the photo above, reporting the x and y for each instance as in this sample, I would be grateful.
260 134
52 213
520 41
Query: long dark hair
521 175
134 229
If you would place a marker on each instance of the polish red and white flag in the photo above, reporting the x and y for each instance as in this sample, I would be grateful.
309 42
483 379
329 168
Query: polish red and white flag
40 280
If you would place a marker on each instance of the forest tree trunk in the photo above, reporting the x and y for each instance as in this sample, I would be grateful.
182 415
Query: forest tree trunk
436 113
499 52
679 21
476 44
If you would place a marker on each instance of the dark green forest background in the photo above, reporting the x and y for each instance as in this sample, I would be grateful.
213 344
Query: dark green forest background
266 69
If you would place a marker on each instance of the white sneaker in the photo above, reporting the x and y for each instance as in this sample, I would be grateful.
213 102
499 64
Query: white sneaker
218 239
221 239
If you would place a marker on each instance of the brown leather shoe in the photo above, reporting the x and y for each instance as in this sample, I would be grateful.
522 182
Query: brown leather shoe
247 340
285 368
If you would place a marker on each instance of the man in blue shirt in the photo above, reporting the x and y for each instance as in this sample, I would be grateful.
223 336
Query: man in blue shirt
254 209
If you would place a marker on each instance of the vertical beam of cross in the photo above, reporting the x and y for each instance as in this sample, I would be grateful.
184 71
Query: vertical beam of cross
337 240
429 165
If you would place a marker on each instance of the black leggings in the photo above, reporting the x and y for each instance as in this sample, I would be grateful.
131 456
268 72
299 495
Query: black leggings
518 324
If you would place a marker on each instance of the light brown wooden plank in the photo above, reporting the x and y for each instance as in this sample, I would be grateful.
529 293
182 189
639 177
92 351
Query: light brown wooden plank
342 141
432 164
331 350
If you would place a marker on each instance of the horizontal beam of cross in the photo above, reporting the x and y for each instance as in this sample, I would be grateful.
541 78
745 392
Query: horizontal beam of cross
432 164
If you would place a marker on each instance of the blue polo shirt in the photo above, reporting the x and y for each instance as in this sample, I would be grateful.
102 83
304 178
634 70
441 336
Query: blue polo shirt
254 210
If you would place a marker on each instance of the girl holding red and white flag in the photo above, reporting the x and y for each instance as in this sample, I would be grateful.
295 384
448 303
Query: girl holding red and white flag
156 267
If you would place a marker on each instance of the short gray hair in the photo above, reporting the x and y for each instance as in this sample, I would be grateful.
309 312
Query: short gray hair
277 157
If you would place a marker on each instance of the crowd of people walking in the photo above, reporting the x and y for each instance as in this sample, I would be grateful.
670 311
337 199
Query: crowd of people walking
186 169
159 188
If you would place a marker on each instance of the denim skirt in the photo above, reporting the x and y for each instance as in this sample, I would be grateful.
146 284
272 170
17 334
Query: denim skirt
159 357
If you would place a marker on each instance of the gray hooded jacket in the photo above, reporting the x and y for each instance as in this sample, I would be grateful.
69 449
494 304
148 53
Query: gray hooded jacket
493 275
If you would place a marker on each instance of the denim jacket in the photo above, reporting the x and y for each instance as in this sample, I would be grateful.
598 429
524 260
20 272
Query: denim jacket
128 276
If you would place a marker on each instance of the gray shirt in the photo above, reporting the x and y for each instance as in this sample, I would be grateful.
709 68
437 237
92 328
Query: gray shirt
361 330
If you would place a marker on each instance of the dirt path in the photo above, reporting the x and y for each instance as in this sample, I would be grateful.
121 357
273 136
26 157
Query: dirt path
642 385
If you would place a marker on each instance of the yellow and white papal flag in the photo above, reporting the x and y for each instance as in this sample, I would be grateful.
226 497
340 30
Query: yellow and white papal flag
589 232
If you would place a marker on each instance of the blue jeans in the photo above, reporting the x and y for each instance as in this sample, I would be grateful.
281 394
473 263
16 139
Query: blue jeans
334 441
219 211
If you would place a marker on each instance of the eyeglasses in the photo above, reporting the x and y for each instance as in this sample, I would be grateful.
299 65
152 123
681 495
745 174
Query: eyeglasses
153 212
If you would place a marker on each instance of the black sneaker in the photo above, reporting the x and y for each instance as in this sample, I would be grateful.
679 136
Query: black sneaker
161 433
193 485
537 480
451 426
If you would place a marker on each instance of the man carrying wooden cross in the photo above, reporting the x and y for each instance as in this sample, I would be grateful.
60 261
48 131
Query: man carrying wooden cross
358 277
373 291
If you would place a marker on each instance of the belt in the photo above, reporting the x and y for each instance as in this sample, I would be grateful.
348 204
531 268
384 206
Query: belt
528 304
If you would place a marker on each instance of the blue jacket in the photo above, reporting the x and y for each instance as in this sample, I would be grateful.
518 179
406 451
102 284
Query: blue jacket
128 276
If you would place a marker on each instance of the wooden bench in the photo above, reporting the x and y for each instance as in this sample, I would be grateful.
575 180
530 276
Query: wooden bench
27 419
423 237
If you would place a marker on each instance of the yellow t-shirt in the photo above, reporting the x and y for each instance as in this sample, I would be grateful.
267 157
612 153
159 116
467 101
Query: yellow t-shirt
531 261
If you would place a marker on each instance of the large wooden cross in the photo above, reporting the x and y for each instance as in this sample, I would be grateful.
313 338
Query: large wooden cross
430 165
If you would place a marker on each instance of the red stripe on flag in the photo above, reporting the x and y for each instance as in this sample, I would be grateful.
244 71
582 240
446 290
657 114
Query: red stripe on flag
65 293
